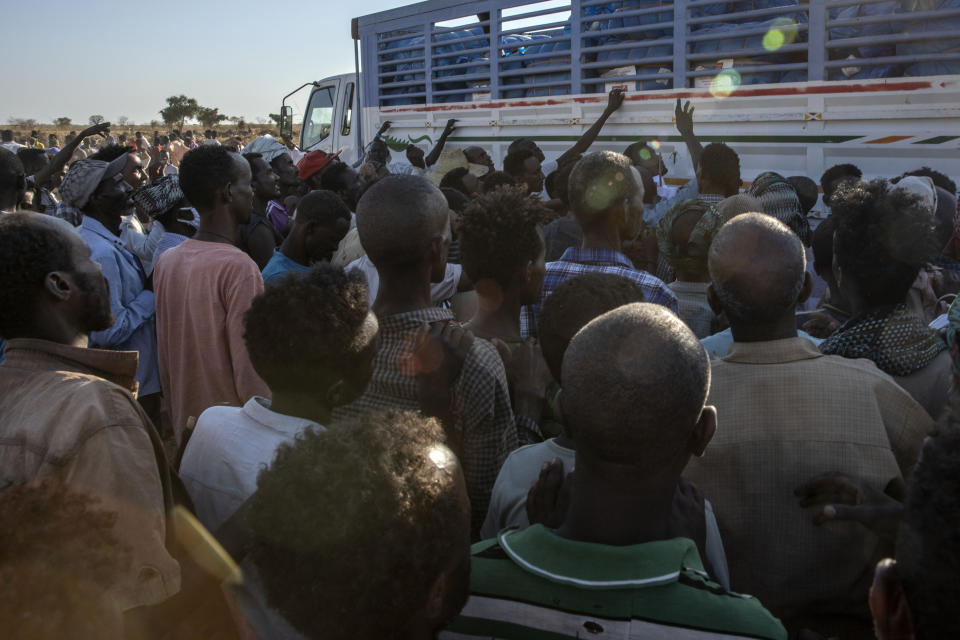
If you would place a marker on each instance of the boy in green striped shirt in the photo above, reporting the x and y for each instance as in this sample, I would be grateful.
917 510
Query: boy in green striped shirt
635 383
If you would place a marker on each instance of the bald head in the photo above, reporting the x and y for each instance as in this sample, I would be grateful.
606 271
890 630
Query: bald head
399 217
635 381
733 206
757 267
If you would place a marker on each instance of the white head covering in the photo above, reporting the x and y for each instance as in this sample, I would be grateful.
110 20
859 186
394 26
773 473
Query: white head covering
921 186
267 146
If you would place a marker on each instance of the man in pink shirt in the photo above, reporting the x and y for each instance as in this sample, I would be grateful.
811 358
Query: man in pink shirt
203 287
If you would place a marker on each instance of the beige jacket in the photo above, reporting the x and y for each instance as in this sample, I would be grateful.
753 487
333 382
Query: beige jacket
70 413
787 414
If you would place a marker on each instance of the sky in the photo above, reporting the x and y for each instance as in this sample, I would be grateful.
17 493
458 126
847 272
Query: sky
124 58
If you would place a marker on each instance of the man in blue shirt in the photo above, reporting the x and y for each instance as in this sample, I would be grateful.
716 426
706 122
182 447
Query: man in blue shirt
320 223
131 295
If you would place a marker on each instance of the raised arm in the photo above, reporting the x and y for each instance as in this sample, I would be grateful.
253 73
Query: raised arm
434 154
684 121
66 152
614 100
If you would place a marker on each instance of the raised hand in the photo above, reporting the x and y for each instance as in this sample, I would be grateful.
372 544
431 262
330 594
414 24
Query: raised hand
615 99
684 118
102 129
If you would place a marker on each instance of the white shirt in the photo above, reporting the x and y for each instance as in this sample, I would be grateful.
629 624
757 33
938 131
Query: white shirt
405 169
141 244
11 146
228 448
508 501
439 291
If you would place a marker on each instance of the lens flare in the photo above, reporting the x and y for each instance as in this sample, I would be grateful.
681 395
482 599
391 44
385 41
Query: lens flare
773 40
655 144
645 154
782 32
724 83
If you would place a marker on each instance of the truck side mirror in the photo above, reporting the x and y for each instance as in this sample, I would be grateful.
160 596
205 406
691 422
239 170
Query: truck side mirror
286 122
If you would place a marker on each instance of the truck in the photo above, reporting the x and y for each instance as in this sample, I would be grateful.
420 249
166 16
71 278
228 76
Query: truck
794 86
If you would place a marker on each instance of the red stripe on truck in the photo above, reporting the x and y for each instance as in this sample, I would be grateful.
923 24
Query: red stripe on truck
839 87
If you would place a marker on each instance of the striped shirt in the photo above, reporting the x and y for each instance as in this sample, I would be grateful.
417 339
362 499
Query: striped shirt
575 262
536 584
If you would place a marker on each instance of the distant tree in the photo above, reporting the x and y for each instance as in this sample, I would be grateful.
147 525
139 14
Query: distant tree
275 117
154 124
239 122
26 123
96 119
178 109
123 121
62 122
209 117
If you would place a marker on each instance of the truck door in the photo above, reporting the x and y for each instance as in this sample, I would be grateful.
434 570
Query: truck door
346 138
318 122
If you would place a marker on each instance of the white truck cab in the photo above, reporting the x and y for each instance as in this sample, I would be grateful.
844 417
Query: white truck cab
329 123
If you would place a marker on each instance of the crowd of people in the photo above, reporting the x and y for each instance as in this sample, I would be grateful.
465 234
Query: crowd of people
249 391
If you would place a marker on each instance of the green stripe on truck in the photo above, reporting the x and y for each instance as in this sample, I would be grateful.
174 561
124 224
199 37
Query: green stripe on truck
777 139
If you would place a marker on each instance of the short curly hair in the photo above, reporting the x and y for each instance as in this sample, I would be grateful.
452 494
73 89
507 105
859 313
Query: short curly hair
58 558
33 160
351 527
599 181
514 163
498 235
928 548
573 304
721 165
307 325
496 179
30 247
831 178
883 237
204 170
453 179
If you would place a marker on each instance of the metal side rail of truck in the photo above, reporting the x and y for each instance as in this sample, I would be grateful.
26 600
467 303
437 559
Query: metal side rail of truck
792 85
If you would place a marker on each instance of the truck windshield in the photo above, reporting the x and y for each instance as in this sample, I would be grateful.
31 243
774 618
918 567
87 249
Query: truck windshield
319 116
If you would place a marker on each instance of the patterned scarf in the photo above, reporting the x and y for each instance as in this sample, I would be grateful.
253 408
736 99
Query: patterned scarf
159 197
691 254
895 339
780 200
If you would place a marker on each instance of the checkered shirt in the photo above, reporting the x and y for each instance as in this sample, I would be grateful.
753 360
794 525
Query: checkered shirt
575 262
481 401
786 415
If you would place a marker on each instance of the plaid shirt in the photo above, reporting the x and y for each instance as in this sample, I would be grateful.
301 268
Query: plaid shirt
481 401
575 262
